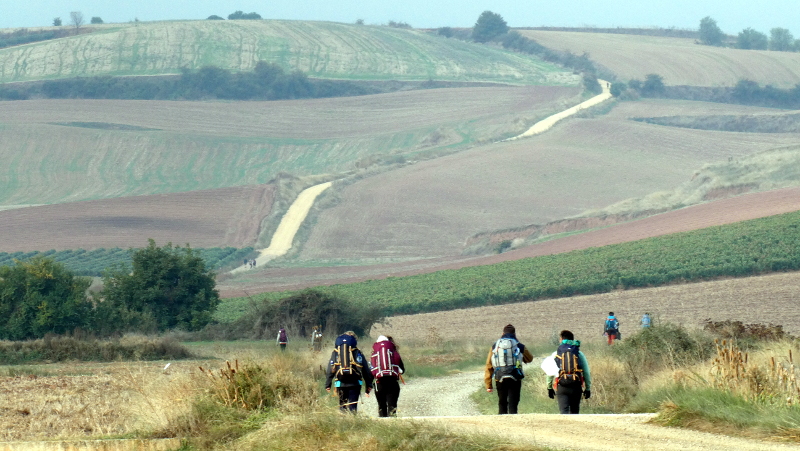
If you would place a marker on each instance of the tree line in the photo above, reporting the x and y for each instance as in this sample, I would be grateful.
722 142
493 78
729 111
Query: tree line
779 39
161 288
267 81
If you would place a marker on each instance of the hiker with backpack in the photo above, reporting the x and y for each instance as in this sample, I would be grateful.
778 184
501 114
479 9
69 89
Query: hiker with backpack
283 339
348 370
571 379
645 320
611 328
387 368
504 365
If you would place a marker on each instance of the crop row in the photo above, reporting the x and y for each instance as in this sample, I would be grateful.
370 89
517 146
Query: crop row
737 250
95 262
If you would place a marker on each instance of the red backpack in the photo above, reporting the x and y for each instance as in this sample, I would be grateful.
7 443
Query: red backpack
385 360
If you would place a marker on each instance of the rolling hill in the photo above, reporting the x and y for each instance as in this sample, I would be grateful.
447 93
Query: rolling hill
71 150
321 49
680 61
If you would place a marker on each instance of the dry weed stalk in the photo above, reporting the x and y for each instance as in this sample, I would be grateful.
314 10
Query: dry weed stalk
243 387
731 370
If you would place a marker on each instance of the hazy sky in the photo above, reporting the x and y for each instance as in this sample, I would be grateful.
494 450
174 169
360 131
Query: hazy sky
731 15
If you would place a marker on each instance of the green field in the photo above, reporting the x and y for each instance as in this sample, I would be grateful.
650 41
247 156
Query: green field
737 250
321 49
96 261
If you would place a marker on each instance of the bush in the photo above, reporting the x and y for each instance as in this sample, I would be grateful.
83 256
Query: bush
53 348
96 20
660 346
214 17
239 15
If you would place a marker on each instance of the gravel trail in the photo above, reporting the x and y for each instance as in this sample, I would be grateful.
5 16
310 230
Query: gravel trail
446 400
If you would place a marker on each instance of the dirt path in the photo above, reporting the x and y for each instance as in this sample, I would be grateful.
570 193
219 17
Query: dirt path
548 123
290 223
446 400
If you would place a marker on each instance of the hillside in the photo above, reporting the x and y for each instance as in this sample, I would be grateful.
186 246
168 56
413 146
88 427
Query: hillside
432 208
709 214
321 49
680 61
71 150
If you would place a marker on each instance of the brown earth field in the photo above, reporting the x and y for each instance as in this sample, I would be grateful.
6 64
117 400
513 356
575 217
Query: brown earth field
680 61
430 209
720 212
70 150
209 218
764 299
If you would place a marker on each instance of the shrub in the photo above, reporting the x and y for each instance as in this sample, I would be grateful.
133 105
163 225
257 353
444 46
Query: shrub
53 348
660 346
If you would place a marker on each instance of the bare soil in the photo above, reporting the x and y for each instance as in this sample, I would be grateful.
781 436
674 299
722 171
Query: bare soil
726 211
209 218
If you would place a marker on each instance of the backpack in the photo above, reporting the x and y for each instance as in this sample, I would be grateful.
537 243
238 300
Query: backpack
385 361
612 325
282 336
507 359
570 372
345 364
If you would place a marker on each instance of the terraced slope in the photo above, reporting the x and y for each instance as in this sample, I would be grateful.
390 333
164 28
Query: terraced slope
321 49
70 150
680 61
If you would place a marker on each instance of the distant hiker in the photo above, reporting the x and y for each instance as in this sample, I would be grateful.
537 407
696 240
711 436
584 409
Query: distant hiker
645 320
283 339
246 261
504 365
316 340
348 370
611 328
388 369
572 378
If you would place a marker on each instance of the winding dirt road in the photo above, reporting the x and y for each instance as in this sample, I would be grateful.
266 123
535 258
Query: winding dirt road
446 400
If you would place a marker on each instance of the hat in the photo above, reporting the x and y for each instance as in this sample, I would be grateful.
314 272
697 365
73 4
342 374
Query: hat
509 329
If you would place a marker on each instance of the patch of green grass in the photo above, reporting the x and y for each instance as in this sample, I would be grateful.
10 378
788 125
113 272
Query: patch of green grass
714 410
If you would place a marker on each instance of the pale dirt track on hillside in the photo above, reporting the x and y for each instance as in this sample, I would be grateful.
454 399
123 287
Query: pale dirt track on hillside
446 400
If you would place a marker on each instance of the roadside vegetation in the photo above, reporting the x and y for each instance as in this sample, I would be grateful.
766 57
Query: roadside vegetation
737 250
730 378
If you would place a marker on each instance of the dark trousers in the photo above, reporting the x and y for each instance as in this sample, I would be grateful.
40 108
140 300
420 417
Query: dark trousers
508 396
569 399
283 347
387 390
348 398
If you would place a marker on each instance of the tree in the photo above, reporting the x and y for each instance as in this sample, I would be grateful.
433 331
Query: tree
76 19
781 40
710 34
750 39
214 17
40 297
489 26
96 20
239 15
57 22
617 88
169 286
653 85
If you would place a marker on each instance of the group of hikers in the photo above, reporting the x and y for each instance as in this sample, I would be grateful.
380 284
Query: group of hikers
568 379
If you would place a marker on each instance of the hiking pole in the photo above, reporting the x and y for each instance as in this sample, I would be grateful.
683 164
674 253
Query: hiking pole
401 379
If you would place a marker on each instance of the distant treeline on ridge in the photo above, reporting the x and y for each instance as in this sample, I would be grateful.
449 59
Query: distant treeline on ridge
267 81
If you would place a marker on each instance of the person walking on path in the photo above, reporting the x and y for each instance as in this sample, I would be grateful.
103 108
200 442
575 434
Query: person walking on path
348 370
387 368
504 365
283 339
645 320
574 380
611 328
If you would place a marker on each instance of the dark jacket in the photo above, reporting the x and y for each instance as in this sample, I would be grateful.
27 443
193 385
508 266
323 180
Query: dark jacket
365 373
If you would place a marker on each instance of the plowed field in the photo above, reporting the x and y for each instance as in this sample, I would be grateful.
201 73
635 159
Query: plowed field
680 61
211 218
726 211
